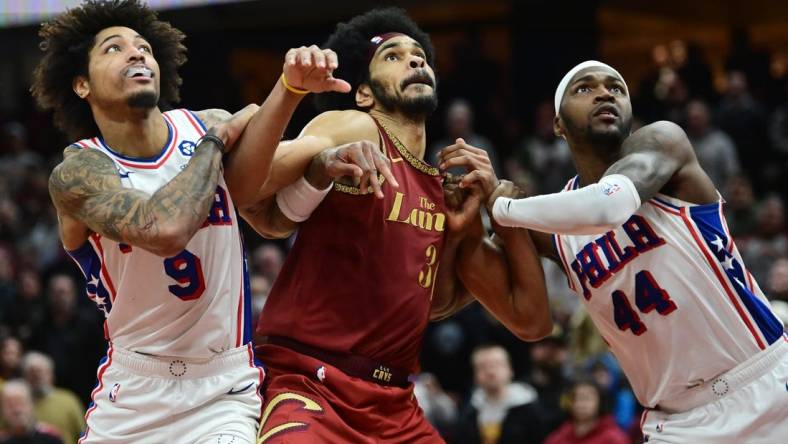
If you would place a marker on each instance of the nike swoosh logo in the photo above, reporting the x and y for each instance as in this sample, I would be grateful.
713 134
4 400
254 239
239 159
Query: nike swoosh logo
395 160
235 392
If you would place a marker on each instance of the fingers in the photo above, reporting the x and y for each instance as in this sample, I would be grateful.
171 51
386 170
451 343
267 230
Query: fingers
383 164
291 56
475 176
373 171
460 144
318 57
332 61
338 85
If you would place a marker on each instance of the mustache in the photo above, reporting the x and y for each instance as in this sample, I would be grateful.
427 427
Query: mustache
419 76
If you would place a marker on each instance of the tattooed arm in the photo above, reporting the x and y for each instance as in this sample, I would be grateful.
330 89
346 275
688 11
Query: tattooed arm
86 189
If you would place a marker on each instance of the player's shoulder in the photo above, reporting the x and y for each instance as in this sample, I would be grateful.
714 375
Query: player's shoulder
79 168
343 126
212 116
664 136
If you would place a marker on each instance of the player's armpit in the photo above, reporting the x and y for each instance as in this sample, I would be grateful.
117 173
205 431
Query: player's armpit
268 220
86 186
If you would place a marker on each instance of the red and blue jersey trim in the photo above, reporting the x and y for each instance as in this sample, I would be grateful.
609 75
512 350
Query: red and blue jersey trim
149 162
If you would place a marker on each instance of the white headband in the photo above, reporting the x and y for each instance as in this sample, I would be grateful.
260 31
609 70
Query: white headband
559 92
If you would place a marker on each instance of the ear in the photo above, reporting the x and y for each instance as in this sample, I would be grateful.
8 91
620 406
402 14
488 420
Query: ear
81 87
364 97
558 129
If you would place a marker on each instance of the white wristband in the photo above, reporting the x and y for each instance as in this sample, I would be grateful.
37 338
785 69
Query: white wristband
298 200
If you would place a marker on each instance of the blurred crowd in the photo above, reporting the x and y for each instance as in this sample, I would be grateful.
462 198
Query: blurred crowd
479 383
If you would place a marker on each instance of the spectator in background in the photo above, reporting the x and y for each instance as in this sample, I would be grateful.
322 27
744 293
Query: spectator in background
770 242
10 358
28 313
17 157
715 150
7 287
547 372
260 286
72 337
740 207
268 260
55 406
21 426
544 154
744 120
459 124
687 58
588 422
439 408
778 280
499 411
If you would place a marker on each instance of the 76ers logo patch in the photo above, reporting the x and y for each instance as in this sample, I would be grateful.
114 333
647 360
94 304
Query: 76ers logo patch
113 394
187 148
611 188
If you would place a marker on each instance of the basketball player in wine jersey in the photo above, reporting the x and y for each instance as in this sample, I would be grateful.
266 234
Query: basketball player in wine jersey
642 238
382 254
149 218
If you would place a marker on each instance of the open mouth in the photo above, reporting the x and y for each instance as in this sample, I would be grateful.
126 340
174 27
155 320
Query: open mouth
608 111
139 71
418 79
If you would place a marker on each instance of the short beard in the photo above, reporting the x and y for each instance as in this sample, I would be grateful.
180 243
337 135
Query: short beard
418 108
611 139
143 100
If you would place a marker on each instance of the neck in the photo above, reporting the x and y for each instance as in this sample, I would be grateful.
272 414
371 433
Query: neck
583 427
411 132
592 160
496 394
132 132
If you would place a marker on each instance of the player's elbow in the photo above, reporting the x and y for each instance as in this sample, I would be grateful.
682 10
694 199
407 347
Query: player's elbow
535 330
170 242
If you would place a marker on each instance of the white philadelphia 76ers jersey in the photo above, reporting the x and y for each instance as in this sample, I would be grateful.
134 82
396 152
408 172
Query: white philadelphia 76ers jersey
670 294
194 304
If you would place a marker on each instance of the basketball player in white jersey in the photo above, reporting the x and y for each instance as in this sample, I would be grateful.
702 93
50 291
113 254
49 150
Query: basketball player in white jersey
149 218
642 239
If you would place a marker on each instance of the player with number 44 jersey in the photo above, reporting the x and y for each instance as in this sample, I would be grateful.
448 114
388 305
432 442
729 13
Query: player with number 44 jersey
642 239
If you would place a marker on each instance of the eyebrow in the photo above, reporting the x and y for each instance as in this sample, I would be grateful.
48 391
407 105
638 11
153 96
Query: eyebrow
590 77
137 36
395 44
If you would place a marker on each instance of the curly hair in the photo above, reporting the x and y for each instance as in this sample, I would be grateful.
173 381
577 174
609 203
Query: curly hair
67 41
351 43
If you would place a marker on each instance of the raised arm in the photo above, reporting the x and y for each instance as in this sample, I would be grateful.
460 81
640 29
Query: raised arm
656 157
248 166
86 188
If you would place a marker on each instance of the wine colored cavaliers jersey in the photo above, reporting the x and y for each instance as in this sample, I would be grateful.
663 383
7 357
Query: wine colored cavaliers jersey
194 304
669 292
361 273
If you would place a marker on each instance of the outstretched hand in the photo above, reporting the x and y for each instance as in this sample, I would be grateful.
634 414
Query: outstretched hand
361 160
311 69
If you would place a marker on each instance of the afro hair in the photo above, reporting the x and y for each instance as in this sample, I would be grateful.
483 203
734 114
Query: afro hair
67 41
351 42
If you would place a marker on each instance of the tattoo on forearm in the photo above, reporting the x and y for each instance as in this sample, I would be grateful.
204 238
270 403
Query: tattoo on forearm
88 187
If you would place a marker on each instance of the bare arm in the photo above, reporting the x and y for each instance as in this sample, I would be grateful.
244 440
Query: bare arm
292 160
505 273
87 192
86 187
249 165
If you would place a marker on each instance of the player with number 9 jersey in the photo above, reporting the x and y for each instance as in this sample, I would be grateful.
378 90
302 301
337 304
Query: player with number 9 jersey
168 306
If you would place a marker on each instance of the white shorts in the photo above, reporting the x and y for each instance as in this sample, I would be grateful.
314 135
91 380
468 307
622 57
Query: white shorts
154 400
746 405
